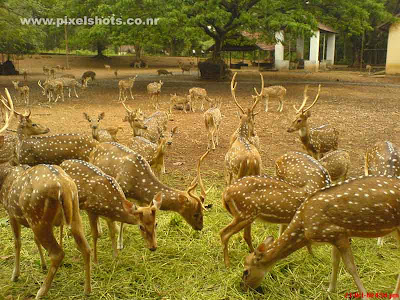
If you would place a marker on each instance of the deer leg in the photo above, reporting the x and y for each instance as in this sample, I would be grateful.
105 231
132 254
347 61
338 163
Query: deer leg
61 234
130 90
335 269
69 92
217 136
380 241
76 94
266 103
45 237
120 95
93 221
16 229
234 227
247 237
213 137
112 228
348 259
120 245
82 245
42 260
280 108
397 288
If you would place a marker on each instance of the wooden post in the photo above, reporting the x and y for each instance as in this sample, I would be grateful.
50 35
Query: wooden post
66 45
362 51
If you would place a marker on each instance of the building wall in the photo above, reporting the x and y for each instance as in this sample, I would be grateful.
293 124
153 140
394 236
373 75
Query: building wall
393 52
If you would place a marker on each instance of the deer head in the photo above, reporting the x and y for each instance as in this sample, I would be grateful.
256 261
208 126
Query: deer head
135 119
27 128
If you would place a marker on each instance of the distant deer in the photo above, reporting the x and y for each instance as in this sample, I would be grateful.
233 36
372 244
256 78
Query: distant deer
101 196
163 72
86 76
108 67
101 135
124 85
46 70
185 101
116 73
243 158
212 121
53 88
333 215
368 68
317 141
277 91
184 68
71 83
198 94
154 90
23 91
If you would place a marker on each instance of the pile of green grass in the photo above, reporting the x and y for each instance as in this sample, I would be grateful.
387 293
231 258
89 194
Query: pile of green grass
189 264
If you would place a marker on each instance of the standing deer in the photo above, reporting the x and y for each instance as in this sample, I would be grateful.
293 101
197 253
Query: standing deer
101 196
23 91
337 163
107 67
116 73
42 197
382 159
52 149
243 158
366 207
163 72
101 135
86 76
124 85
276 91
184 68
71 83
316 141
53 87
138 182
198 94
212 121
154 90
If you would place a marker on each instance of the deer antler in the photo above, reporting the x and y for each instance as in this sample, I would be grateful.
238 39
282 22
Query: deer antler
301 109
126 107
233 91
258 95
200 180
11 108
315 100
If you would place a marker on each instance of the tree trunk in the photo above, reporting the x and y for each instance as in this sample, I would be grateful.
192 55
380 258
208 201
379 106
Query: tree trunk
138 50
218 48
66 46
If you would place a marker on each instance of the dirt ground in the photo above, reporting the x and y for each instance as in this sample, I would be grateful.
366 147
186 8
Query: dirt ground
363 109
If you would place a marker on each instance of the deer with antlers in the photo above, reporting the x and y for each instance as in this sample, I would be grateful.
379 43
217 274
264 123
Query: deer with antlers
276 91
101 196
102 135
316 141
366 207
212 121
198 94
135 119
337 163
23 91
382 159
138 182
273 200
124 85
243 158
154 90
51 88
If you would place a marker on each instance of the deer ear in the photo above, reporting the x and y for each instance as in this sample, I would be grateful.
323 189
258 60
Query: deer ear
85 115
183 200
157 201
173 130
308 114
264 245
101 116
125 119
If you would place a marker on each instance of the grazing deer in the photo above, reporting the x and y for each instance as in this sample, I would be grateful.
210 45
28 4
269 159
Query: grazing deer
52 149
154 90
382 159
212 121
276 91
337 163
51 88
243 158
108 67
68 76
124 85
138 182
163 72
185 101
316 141
156 125
200 94
366 207
42 197
25 74
71 83
23 91
86 76
185 68
101 196
101 135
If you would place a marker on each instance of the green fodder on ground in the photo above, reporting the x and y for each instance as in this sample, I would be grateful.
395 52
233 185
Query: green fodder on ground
189 264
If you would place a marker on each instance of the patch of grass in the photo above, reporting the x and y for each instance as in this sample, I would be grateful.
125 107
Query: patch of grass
189 264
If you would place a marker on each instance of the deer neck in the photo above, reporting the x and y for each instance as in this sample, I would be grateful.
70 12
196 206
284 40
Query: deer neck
304 133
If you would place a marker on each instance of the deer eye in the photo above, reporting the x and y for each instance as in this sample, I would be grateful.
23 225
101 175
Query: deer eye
298 121
34 125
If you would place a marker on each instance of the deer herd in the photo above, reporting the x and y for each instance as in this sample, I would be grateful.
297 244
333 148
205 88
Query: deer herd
51 178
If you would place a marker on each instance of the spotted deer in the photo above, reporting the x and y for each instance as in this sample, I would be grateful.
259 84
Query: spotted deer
382 159
184 68
337 163
101 135
86 76
316 141
138 182
135 118
154 90
198 94
212 121
23 91
71 83
366 207
276 91
51 88
270 199
185 101
163 72
107 67
243 158
40 198
101 196
52 149
124 85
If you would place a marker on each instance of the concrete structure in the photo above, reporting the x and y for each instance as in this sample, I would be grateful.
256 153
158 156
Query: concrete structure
280 62
393 47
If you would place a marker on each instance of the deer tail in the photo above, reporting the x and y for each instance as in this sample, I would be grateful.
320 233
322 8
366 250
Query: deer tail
248 167
67 196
